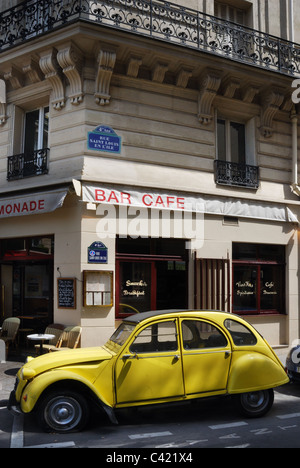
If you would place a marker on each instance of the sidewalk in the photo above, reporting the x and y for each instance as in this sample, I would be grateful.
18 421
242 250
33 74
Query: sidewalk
8 372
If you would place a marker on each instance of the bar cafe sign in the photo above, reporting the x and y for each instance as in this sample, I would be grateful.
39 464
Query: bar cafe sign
105 139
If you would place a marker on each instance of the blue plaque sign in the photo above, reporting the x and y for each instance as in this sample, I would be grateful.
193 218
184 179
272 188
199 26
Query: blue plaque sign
104 139
97 253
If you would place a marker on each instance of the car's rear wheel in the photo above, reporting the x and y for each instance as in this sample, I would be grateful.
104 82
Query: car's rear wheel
63 411
255 404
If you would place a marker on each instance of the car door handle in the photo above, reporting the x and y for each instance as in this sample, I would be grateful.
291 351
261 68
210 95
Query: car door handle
227 354
177 357
129 356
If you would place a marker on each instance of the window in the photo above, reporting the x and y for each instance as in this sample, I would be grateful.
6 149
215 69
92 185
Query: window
36 130
197 335
159 337
258 279
231 141
240 334
30 152
236 153
231 13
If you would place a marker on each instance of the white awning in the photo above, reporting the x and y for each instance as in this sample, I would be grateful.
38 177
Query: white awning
161 200
31 204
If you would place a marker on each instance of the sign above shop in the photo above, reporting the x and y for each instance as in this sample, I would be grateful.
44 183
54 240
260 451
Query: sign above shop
97 253
173 201
38 203
105 139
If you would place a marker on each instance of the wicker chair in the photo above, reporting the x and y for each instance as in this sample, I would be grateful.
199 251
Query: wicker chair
55 329
69 339
9 331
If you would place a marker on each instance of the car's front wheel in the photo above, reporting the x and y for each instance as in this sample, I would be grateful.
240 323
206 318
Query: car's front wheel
255 404
63 411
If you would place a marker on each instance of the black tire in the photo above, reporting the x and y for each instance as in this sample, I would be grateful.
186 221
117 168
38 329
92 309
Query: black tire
255 404
63 411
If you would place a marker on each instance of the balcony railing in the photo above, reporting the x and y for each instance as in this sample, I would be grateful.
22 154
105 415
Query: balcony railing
239 175
27 165
155 19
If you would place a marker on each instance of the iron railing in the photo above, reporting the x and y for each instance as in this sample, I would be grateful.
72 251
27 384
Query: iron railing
156 19
27 165
233 174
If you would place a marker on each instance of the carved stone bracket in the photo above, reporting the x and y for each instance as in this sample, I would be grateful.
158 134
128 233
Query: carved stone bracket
106 60
70 59
15 77
159 71
52 72
271 103
134 66
209 85
183 77
32 70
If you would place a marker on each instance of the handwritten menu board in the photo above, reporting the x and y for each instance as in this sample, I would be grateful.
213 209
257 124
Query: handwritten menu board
66 290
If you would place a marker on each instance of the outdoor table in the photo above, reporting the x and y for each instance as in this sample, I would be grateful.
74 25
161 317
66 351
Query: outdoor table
41 337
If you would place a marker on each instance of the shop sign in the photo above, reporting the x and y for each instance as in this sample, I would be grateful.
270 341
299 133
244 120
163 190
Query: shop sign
104 138
97 253
32 204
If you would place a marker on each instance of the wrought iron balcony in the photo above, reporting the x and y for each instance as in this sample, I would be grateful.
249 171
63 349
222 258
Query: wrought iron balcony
233 174
155 19
27 165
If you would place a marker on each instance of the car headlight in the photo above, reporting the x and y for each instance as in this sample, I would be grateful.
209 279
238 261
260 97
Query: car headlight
27 373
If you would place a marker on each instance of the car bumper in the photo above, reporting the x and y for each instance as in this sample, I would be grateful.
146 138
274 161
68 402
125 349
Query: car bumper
13 406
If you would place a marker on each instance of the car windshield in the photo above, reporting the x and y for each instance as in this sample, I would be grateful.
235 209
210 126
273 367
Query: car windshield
120 336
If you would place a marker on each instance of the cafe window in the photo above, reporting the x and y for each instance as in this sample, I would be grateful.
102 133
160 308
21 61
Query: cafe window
258 279
151 274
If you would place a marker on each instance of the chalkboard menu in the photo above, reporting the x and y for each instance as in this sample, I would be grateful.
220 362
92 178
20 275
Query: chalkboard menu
66 290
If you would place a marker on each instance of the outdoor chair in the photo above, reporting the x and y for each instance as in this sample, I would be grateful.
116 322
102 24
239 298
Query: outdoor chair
9 331
69 339
55 329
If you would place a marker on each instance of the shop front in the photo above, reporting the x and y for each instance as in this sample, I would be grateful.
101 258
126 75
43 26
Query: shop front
27 280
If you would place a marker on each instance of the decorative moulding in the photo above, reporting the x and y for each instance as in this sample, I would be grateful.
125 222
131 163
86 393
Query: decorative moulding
52 72
106 60
70 59
209 85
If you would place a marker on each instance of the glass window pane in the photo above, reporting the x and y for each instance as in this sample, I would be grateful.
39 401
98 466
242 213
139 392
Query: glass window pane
197 334
241 335
271 287
245 288
237 143
221 136
45 128
156 338
31 132
135 287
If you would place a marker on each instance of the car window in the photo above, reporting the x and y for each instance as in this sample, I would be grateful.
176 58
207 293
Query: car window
122 333
157 337
198 334
241 335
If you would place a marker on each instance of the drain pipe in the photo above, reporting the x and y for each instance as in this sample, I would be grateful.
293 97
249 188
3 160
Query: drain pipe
294 118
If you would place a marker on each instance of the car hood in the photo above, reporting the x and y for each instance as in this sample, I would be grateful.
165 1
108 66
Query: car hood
57 359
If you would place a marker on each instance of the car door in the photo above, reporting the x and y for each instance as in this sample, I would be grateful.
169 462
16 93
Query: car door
150 366
206 357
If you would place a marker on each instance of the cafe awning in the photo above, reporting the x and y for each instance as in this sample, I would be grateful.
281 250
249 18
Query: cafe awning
32 203
206 204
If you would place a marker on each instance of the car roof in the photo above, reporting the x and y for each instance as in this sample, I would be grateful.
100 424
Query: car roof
137 318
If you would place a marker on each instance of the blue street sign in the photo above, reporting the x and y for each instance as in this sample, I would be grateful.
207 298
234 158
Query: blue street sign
104 138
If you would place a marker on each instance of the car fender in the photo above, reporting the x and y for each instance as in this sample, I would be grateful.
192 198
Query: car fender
35 388
252 371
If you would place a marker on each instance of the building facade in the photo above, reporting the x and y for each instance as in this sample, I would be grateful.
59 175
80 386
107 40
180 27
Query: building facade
149 160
